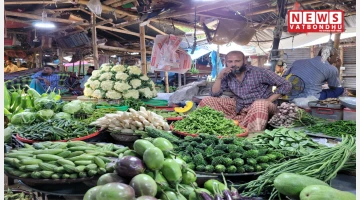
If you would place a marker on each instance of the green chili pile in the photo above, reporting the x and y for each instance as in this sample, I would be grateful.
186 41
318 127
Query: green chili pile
208 121
335 129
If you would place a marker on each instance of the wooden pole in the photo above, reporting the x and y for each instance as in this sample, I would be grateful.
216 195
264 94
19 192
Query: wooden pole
341 56
337 40
167 82
156 29
143 50
61 60
94 43
312 52
31 16
78 74
179 79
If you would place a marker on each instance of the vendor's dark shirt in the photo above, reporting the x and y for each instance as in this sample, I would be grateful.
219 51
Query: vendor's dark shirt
257 84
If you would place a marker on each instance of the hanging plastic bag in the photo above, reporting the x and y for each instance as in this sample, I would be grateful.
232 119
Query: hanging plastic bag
164 55
95 6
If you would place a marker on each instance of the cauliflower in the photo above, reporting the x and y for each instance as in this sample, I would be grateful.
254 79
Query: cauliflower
107 85
88 92
105 67
121 86
97 94
118 68
94 84
152 85
135 83
112 94
154 92
106 76
95 74
134 70
147 93
131 94
144 78
121 76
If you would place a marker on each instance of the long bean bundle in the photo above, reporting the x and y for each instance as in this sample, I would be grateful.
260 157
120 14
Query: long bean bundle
322 164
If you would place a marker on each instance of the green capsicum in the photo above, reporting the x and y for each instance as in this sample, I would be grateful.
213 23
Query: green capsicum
33 92
23 100
19 109
7 98
29 102
16 102
58 96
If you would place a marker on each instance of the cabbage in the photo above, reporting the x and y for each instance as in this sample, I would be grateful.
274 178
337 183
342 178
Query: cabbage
23 118
7 134
72 107
46 114
87 107
62 115
44 103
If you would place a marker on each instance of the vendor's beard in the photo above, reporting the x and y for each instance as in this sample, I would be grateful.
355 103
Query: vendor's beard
239 70
45 74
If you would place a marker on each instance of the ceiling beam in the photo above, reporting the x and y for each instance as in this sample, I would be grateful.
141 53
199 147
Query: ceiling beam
31 16
156 29
123 31
187 11
123 24
274 8
218 15
71 26
110 48
108 32
177 23
10 19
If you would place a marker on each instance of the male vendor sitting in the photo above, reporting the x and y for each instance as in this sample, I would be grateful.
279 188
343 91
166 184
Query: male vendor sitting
252 87
45 79
317 71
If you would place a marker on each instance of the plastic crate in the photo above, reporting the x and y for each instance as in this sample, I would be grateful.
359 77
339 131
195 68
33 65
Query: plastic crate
349 114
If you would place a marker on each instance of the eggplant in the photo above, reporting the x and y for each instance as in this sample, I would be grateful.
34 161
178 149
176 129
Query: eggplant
205 196
129 166
227 195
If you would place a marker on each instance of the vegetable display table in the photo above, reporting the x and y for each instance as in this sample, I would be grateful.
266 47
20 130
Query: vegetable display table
51 191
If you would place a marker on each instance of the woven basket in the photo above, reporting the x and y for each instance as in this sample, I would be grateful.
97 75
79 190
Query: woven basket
125 137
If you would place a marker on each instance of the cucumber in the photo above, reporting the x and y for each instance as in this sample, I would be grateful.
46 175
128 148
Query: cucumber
48 157
65 176
122 150
22 168
28 146
25 175
48 151
16 172
81 168
16 163
99 162
8 169
65 162
92 173
8 160
58 145
25 150
73 176
322 192
17 154
76 144
64 154
36 175
91 167
59 169
71 169
106 160
56 176
82 157
101 171
38 146
75 153
83 162
53 162
81 148
31 168
47 166
30 161
82 175
110 154
46 174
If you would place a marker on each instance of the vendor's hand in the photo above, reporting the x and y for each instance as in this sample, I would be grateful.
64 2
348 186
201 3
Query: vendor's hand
47 82
224 72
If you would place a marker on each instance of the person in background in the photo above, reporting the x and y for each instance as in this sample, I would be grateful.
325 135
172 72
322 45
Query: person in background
72 82
45 79
252 86
10 67
86 77
280 68
316 72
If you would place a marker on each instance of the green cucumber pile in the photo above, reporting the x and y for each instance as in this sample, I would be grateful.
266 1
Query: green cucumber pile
207 153
62 160
290 142
208 121
54 129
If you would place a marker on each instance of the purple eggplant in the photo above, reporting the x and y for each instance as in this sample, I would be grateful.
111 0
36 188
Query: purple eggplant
227 195
205 196
218 197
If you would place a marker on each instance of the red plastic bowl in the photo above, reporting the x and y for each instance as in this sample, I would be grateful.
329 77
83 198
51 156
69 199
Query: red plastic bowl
74 139
174 118
244 134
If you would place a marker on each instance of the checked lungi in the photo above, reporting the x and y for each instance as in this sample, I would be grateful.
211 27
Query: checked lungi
254 117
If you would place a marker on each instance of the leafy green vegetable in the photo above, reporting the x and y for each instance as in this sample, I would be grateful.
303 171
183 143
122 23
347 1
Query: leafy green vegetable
45 103
7 134
62 115
23 118
87 108
45 114
72 107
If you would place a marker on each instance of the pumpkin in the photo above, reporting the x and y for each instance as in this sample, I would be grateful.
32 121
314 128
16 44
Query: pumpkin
188 106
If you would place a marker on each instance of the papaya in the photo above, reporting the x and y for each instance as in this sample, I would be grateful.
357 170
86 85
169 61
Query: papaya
322 192
291 184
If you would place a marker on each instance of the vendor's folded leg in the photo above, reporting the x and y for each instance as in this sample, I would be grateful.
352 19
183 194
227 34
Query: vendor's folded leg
36 85
255 117
331 93
225 105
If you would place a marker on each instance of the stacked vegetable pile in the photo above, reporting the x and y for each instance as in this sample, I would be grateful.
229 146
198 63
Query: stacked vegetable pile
98 113
290 115
10 195
290 142
323 164
335 129
306 188
128 122
54 130
207 153
152 172
208 121
131 103
61 160
119 82
167 114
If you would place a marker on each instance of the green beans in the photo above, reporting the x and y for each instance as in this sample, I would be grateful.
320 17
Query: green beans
322 164
335 129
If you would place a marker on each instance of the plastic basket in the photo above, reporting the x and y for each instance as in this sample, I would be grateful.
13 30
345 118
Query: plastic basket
244 134
119 108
